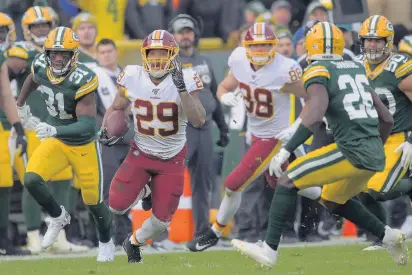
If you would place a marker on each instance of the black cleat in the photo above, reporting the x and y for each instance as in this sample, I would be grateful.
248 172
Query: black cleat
147 203
8 249
134 255
203 242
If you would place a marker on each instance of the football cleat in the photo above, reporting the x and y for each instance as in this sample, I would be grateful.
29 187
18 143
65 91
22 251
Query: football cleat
134 255
8 249
260 252
106 252
376 245
203 242
395 242
54 227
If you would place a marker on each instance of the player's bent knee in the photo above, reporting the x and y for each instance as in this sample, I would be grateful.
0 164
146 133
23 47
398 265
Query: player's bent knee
91 196
31 180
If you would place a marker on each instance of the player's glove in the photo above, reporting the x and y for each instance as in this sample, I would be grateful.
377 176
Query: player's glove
230 99
406 149
44 130
21 140
24 112
106 140
224 139
275 166
177 75
31 123
286 134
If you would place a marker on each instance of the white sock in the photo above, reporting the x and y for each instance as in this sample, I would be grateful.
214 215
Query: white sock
228 208
150 228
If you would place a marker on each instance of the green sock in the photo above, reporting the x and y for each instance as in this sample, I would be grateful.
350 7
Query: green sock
354 211
60 189
280 211
72 195
103 220
373 206
41 193
4 206
31 211
403 187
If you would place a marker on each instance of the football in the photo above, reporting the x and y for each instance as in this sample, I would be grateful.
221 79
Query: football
117 124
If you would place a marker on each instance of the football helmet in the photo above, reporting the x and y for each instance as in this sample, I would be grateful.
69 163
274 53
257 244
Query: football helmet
37 15
7 31
376 27
405 45
65 41
260 33
159 39
324 41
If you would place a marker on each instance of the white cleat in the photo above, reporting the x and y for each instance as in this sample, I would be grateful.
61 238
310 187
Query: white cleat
62 245
259 252
395 242
54 227
106 252
33 241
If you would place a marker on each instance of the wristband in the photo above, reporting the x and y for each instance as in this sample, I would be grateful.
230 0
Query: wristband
299 137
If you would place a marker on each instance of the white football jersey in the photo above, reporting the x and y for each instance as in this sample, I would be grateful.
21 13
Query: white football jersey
159 121
268 109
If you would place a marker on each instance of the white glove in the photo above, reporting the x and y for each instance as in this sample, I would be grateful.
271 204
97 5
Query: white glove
406 149
286 134
24 112
31 123
44 130
230 99
275 166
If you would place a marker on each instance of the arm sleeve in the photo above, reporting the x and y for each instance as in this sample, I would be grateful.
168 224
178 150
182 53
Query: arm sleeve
403 71
85 126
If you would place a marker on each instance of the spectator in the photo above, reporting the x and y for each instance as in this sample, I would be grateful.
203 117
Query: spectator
316 11
350 42
298 43
220 18
281 12
252 11
285 43
140 17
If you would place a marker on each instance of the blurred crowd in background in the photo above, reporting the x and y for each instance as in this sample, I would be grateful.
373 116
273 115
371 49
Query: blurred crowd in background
226 20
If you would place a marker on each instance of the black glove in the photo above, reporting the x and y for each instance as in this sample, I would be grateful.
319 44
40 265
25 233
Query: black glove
105 140
21 140
224 139
177 75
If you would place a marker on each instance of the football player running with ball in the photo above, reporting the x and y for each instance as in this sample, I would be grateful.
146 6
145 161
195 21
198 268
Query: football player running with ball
360 123
163 98
68 135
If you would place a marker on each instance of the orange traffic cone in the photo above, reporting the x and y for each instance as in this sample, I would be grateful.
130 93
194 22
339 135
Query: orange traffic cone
349 229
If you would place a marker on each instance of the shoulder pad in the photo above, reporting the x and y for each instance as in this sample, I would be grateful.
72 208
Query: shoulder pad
315 70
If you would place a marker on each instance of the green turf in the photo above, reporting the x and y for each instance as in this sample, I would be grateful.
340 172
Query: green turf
310 260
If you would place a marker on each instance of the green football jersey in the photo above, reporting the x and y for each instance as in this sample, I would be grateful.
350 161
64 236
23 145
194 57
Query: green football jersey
351 114
385 78
62 95
5 124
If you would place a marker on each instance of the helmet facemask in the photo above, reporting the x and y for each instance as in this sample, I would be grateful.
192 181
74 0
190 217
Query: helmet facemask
42 32
257 57
158 61
375 55
61 61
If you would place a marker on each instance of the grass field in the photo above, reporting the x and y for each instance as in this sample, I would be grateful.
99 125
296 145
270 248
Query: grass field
329 260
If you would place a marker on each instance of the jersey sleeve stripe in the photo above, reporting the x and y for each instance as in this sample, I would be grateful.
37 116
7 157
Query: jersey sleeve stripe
404 69
314 72
87 88
124 92
18 52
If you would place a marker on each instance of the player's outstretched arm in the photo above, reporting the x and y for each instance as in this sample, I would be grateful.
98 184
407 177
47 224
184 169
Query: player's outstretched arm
29 86
296 88
225 91
121 102
192 107
385 117
8 101
406 86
